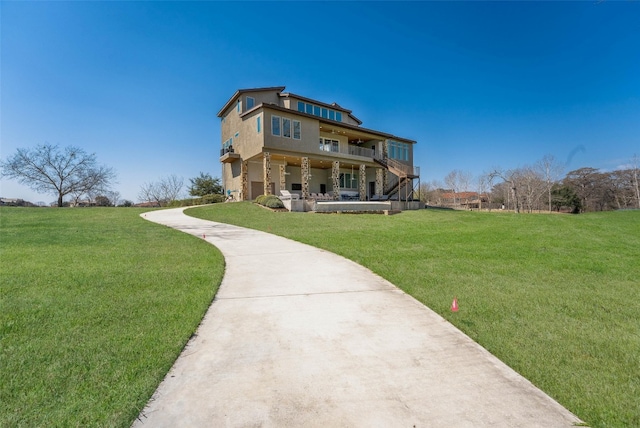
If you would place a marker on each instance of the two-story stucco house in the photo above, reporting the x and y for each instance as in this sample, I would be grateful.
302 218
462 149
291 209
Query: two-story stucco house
274 140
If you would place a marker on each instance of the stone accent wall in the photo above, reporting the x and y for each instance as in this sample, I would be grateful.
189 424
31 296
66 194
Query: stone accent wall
363 182
244 168
267 172
305 171
379 181
335 178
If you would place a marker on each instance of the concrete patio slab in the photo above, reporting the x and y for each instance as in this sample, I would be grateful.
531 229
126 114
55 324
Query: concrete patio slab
298 336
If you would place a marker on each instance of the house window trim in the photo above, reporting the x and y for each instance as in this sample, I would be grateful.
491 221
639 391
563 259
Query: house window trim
251 104
276 120
298 135
399 151
329 145
286 127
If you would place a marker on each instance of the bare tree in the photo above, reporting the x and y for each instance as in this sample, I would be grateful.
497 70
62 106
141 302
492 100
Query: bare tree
451 181
149 192
551 171
532 187
458 181
171 187
431 192
483 186
162 192
114 197
47 169
510 177
635 173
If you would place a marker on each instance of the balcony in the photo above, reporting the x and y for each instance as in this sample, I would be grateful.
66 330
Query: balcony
227 155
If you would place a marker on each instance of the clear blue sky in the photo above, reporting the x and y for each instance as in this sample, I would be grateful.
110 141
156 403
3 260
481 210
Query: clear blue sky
477 84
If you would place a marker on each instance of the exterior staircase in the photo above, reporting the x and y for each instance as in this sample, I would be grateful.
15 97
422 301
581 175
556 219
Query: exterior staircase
405 175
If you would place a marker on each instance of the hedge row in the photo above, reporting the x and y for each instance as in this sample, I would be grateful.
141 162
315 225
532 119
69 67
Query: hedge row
206 199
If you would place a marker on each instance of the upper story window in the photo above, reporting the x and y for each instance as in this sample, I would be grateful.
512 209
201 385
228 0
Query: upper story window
285 127
239 106
399 151
275 125
297 130
328 145
259 124
319 111
250 103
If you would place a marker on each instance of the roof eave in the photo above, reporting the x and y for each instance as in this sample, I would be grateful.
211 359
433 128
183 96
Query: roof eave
239 92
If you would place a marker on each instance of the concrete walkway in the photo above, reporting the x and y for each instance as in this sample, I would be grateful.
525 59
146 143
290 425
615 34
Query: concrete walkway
298 336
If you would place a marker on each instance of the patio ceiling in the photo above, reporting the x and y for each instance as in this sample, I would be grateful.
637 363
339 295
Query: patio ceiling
354 136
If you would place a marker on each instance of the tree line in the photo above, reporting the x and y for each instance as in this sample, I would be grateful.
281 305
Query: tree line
75 178
542 186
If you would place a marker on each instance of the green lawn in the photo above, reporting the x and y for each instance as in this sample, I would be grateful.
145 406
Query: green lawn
556 297
95 305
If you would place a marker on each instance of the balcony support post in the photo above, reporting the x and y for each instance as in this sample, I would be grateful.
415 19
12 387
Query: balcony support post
244 168
379 182
283 180
305 171
363 182
335 178
266 158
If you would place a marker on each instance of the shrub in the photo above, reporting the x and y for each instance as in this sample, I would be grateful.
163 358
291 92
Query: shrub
270 201
273 202
212 199
206 199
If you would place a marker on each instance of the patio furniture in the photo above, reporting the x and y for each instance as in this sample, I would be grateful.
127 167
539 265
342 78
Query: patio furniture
288 195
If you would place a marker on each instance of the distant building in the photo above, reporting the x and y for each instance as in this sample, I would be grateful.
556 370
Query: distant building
13 202
464 200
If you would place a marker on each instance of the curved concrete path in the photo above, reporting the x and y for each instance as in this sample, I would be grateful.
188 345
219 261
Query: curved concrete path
298 336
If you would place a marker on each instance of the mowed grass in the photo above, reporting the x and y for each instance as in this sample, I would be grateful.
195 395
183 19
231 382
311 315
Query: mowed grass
95 306
556 297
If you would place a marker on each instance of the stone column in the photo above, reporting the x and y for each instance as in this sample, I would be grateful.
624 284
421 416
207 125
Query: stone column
363 182
244 168
379 181
266 158
385 156
283 177
305 171
335 178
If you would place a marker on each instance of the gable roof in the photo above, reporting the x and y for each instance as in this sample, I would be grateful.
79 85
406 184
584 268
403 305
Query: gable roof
239 92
